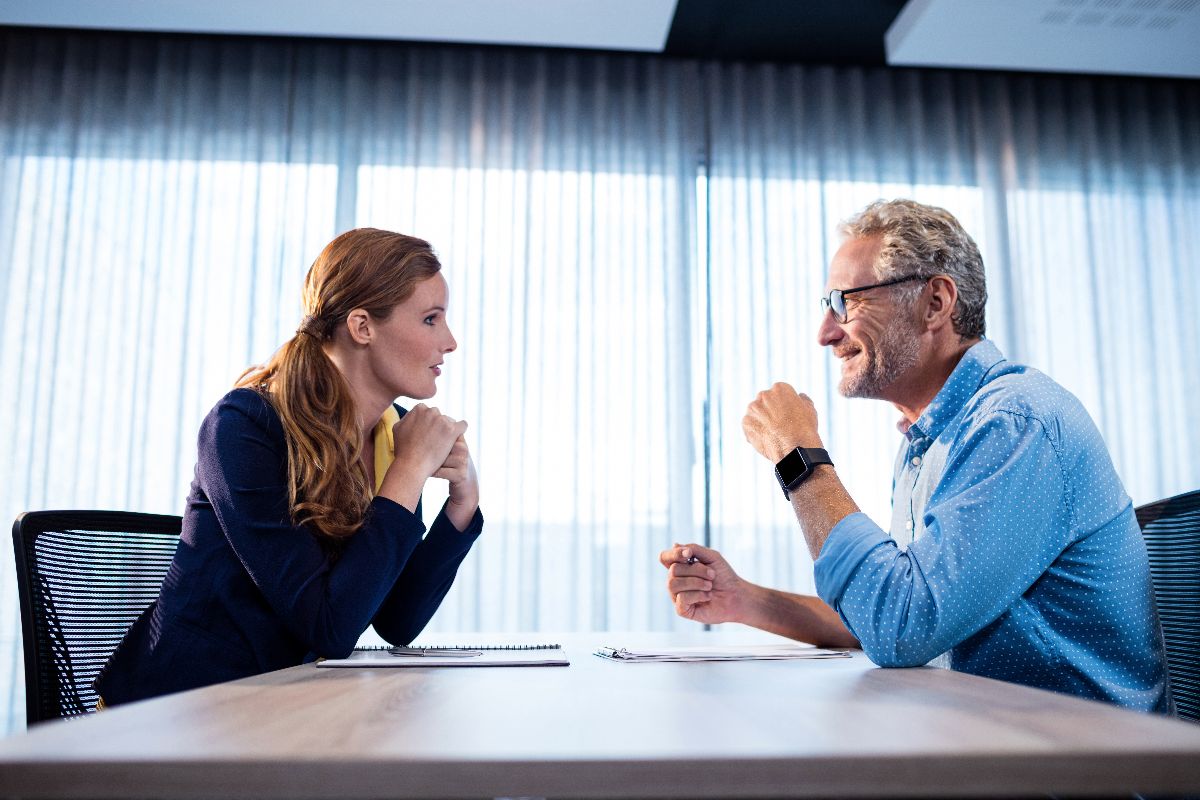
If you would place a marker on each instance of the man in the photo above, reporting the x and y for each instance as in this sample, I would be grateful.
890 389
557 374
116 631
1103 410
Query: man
1013 547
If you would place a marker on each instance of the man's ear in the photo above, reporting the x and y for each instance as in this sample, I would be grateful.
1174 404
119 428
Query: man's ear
942 297
360 326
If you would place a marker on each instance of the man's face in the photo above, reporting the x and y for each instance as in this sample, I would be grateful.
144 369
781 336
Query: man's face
879 341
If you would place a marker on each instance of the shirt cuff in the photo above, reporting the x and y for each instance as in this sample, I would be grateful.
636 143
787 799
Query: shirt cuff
847 545
446 536
390 515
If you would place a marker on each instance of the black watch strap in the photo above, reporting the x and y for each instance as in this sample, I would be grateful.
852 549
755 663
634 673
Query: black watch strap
797 465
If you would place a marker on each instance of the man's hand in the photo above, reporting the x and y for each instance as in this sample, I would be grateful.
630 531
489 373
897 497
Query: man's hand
779 420
706 590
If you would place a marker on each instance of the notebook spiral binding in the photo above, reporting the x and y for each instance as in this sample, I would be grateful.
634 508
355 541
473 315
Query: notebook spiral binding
471 647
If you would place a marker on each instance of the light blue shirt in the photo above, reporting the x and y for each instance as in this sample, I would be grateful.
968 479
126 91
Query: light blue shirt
1014 547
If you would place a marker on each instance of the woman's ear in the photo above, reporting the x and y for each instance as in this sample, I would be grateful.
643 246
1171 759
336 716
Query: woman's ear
360 326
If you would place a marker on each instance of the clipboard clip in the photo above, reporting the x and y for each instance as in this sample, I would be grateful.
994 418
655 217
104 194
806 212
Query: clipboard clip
615 653
434 652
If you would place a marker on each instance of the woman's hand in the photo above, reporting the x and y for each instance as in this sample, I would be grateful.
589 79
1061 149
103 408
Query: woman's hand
459 470
422 442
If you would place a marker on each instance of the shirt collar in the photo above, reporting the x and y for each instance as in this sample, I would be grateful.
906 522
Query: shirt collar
385 446
960 387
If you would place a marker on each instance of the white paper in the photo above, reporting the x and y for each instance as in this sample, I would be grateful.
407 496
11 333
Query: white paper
751 652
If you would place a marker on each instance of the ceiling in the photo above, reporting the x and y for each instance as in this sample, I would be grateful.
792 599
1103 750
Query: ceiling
1137 37
809 31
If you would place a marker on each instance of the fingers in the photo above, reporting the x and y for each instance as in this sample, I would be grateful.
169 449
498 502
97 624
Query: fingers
671 555
426 436
689 560
696 569
432 424
425 416
454 468
779 419
689 578
458 455
700 553
676 553
779 394
695 606
448 474
689 583
686 602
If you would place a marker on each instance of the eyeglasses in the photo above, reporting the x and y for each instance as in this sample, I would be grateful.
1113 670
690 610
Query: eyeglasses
836 300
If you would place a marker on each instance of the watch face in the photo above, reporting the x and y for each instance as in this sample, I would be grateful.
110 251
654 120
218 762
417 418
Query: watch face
790 469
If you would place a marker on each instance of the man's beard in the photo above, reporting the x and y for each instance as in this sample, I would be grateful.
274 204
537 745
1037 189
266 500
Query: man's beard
892 356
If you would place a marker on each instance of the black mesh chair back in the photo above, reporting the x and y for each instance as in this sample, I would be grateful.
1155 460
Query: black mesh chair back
83 577
1171 529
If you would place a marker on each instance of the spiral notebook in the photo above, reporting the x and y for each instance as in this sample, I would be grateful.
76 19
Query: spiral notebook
490 655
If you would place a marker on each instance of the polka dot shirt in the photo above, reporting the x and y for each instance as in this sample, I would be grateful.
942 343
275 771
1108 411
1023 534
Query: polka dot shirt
1013 553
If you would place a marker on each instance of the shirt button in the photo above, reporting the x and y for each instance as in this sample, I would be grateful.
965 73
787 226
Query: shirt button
916 461
908 525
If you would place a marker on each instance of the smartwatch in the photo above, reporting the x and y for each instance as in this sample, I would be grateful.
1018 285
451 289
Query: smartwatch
797 465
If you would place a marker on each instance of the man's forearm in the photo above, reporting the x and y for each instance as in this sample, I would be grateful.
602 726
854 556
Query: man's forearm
820 503
796 616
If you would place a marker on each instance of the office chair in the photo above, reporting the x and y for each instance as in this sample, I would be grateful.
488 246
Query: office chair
1171 529
83 577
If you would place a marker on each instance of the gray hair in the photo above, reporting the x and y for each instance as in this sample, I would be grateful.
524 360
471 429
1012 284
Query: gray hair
925 240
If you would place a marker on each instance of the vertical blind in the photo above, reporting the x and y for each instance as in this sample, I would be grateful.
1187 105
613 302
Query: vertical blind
634 246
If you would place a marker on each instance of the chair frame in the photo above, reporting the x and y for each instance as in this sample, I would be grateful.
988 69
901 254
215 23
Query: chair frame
26 530
1184 589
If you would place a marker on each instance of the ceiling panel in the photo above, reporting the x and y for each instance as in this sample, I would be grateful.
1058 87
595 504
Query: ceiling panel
639 25
1130 37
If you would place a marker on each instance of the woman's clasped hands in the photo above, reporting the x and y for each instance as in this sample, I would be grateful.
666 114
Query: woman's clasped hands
430 444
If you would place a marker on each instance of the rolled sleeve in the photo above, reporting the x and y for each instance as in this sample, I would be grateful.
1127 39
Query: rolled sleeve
848 545
908 606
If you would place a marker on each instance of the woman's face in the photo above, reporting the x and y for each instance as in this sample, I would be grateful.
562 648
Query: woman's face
413 340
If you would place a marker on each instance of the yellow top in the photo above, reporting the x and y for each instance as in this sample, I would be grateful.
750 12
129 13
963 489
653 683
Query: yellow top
385 446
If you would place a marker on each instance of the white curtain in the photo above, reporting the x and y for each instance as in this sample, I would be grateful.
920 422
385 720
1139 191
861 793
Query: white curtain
634 248
558 191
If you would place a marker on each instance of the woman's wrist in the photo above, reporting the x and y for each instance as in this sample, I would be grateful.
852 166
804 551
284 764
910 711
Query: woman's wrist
460 513
403 487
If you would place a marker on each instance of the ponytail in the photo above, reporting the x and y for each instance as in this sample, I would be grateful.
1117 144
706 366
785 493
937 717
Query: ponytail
327 487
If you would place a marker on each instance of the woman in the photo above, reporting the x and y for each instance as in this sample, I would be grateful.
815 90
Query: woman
303 525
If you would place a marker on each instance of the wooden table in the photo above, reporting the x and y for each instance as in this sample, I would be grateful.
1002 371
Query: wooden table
602 729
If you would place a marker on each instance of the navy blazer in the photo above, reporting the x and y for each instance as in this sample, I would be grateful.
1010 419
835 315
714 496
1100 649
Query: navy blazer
248 592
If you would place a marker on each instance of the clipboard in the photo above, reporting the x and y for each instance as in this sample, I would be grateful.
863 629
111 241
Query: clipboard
751 652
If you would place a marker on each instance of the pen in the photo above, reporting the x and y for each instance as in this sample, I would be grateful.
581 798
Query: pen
439 652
